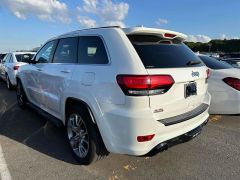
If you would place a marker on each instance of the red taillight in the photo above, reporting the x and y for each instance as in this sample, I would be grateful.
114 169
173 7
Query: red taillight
158 81
142 85
145 138
233 82
168 35
15 68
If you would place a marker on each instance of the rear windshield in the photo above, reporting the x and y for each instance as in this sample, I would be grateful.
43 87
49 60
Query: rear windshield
234 63
161 53
214 63
24 57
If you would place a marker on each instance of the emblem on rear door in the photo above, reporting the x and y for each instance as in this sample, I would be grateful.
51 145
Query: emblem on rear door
195 73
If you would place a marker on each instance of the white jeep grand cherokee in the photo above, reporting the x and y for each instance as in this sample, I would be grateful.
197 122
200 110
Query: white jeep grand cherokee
128 91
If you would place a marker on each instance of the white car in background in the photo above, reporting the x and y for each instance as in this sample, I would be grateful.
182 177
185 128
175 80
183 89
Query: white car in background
224 86
10 65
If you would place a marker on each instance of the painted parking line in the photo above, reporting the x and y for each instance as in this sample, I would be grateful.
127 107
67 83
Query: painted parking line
4 172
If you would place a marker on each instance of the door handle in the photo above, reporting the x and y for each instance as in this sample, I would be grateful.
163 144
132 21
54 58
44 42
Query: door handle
39 69
66 71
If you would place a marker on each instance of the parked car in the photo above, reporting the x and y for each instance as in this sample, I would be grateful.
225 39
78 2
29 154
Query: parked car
224 87
234 62
127 91
10 65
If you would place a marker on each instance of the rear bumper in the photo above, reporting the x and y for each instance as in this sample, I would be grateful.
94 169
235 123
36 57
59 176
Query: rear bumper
186 116
180 139
121 127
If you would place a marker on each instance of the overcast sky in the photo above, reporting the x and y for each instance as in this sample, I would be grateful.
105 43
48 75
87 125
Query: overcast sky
25 24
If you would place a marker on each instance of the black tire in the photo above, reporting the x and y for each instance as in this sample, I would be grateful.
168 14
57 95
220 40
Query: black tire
9 84
21 96
96 149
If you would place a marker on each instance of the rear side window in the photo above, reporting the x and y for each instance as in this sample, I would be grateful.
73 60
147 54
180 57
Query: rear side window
66 51
156 52
92 50
214 63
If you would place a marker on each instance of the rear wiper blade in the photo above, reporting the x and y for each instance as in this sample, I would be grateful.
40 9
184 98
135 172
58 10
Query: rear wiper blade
190 63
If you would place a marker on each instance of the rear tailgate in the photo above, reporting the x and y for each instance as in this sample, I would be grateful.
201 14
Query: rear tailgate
174 102
169 56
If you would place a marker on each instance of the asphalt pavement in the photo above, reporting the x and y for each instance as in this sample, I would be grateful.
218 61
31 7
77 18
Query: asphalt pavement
36 149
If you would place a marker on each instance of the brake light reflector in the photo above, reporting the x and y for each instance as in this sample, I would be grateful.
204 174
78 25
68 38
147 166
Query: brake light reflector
168 35
143 85
233 82
145 138
16 68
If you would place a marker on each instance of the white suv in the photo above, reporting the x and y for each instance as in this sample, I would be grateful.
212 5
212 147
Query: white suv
130 90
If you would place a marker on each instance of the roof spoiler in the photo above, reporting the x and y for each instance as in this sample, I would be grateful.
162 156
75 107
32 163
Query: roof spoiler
166 34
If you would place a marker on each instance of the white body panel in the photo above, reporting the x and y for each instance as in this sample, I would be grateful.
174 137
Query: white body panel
225 99
120 118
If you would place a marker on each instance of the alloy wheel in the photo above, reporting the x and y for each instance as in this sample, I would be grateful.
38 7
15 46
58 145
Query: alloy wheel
78 135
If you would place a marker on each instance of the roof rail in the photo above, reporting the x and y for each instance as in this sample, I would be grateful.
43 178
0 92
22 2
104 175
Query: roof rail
101 27
76 31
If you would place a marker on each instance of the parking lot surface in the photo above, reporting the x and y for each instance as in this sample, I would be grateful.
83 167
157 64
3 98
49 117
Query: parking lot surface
35 149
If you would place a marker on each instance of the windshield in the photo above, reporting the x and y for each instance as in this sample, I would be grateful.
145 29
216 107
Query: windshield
161 53
214 63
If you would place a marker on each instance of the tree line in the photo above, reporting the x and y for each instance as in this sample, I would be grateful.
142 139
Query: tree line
227 46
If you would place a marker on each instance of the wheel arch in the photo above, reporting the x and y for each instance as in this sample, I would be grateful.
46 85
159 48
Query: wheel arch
70 101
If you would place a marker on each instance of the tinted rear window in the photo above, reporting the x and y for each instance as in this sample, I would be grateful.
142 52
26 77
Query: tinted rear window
23 57
92 50
66 51
161 53
214 63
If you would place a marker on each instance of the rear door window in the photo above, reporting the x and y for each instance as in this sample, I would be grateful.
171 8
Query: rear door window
156 52
66 51
92 50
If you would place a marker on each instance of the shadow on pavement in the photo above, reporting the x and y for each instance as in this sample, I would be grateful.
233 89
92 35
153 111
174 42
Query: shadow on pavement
27 127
